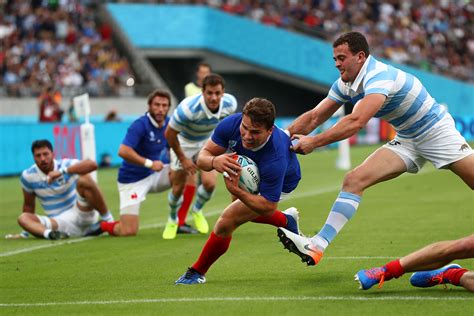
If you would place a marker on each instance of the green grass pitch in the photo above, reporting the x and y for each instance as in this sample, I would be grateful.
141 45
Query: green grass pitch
135 276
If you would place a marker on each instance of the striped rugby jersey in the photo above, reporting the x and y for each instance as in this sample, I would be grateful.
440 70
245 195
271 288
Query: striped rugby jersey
409 108
195 122
56 197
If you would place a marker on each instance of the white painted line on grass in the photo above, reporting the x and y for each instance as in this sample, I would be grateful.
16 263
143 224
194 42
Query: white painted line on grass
246 298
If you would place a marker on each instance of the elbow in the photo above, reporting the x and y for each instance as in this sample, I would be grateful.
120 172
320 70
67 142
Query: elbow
92 165
200 161
121 153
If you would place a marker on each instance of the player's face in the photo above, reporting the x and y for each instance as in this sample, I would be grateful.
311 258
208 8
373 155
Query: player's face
158 109
44 159
212 96
253 135
348 64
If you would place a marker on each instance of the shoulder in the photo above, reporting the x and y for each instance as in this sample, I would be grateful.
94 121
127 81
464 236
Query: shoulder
29 172
229 100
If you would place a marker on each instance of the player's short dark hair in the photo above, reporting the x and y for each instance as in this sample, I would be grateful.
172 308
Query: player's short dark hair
159 93
203 64
40 143
213 80
261 112
356 42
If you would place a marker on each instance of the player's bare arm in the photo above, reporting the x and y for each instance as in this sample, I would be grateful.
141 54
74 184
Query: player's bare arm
131 156
81 168
311 119
213 156
29 202
349 125
172 138
257 203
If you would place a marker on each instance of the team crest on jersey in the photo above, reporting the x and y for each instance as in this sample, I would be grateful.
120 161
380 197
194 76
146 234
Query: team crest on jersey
232 144
152 136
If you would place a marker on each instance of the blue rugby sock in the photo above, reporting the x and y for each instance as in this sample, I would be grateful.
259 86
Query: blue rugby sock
342 211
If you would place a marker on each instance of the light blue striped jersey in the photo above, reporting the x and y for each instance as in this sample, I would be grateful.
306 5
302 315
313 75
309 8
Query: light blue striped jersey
56 197
193 119
408 107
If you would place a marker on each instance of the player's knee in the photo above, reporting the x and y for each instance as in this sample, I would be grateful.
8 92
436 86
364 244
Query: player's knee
25 218
85 182
224 226
209 187
464 248
352 181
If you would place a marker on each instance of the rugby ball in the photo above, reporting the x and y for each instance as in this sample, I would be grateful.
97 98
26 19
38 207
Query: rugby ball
249 177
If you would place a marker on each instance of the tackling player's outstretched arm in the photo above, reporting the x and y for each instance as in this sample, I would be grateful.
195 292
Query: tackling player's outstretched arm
349 125
311 119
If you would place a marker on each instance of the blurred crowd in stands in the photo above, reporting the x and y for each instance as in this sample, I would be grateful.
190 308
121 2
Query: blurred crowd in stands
434 35
57 43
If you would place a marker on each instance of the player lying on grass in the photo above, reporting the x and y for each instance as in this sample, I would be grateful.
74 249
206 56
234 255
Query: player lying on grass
425 132
252 134
431 264
69 196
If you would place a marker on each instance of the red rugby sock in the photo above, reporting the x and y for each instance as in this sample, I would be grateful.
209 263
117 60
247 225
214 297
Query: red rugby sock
393 269
188 195
214 248
108 227
277 219
454 275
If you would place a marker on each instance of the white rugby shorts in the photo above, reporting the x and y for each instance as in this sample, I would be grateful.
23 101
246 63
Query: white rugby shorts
190 149
76 223
135 193
441 145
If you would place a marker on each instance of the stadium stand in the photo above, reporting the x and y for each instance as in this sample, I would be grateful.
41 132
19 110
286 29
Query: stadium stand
45 43
436 36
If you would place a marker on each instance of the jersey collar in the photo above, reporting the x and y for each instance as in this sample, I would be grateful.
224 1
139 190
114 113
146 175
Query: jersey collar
355 85
152 120
262 145
42 174
208 112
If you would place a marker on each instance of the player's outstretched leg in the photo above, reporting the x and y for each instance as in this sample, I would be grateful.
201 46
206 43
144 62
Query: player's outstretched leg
370 277
300 245
450 274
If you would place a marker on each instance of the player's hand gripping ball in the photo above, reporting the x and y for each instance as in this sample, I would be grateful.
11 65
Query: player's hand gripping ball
249 177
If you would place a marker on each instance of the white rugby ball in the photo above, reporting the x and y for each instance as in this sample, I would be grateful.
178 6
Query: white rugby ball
249 177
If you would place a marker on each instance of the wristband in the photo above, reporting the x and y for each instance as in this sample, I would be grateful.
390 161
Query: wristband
148 163
212 162
63 170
